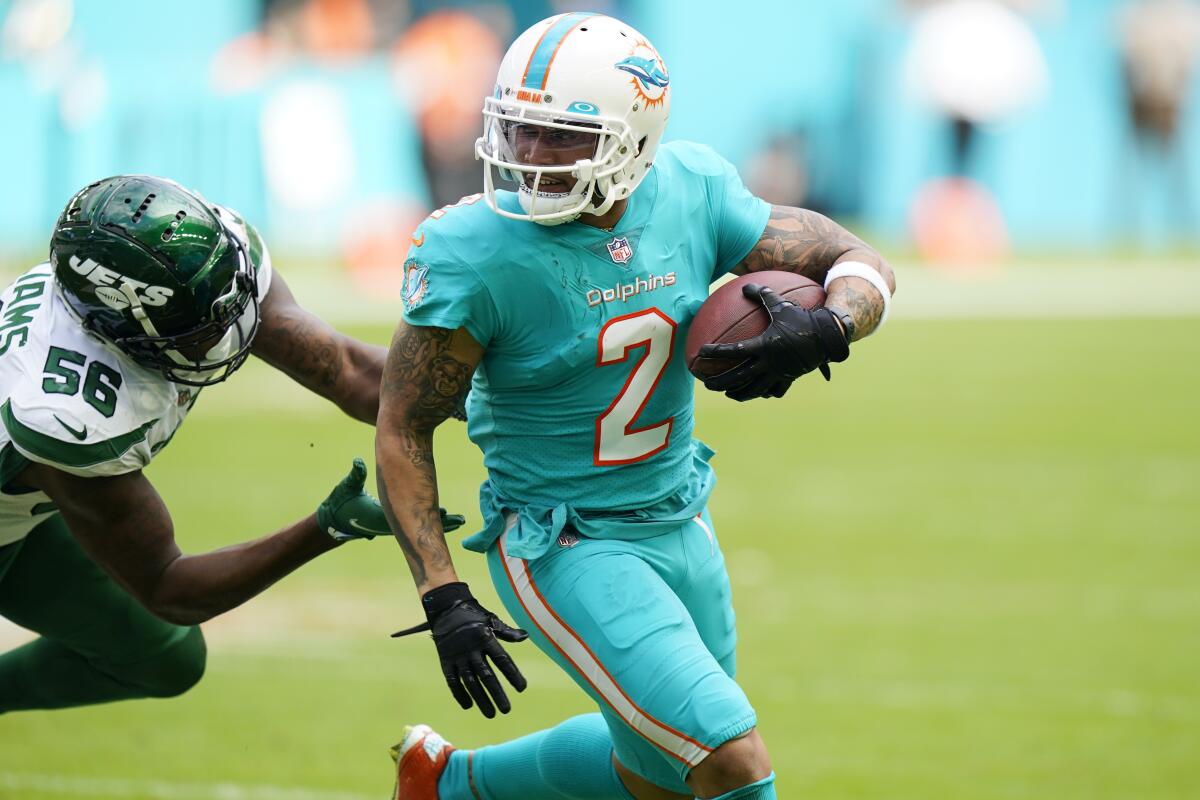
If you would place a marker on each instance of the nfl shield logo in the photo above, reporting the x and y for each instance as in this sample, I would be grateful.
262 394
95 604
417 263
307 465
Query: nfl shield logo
619 250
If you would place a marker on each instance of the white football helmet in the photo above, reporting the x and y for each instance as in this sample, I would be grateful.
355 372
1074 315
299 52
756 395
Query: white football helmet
577 74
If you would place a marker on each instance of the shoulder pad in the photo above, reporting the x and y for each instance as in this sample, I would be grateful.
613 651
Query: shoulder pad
63 440
79 403
698 158
467 232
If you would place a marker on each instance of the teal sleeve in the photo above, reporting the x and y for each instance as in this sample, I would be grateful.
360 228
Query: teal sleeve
739 216
442 291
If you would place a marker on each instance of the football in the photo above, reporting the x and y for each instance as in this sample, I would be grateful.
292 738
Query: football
728 316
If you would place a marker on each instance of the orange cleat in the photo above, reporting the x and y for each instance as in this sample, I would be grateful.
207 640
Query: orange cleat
420 760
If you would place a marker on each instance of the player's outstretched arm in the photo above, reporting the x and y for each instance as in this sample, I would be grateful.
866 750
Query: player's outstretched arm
306 348
810 244
425 381
122 523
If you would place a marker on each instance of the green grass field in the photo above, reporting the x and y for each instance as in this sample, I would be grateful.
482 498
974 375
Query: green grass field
967 568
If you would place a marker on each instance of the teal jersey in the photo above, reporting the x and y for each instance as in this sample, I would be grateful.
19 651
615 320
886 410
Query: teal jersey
583 401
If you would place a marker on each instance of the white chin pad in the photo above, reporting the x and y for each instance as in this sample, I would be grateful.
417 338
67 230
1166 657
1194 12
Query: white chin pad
549 203
542 193
237 334
222 349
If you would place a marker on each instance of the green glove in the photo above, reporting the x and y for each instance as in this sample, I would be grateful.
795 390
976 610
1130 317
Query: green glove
351 513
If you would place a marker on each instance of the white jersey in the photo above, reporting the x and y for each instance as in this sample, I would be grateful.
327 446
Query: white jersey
73 401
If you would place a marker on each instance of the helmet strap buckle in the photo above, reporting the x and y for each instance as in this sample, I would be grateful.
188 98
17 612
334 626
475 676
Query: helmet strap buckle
585 170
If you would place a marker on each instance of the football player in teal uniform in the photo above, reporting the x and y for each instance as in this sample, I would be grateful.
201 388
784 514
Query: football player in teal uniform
151 293
562 307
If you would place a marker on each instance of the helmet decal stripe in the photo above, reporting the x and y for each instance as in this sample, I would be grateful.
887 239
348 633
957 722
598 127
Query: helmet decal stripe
537 71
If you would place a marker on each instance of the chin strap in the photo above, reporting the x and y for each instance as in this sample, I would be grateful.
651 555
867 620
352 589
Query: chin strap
135 307
139 313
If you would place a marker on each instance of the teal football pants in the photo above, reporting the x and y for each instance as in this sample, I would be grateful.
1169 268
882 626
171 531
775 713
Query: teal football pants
646 627
97 643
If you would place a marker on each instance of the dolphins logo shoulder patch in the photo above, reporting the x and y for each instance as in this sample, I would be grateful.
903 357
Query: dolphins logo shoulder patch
416 284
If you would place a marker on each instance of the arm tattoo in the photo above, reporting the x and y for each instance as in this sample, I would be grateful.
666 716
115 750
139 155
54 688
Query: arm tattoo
434 382
310 352
430 384
427 544
858 298
810 244
801 241
307 352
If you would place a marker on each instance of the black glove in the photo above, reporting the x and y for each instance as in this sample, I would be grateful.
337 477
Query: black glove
796 342
451 522
465 635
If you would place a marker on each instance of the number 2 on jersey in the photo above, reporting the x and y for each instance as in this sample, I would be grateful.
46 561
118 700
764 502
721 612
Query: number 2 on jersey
617 442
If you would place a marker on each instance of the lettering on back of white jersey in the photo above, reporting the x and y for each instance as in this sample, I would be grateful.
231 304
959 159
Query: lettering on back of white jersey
623 291
107 280
17 316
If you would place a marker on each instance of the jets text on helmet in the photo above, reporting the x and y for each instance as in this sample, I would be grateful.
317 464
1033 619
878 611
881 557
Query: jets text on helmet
103 276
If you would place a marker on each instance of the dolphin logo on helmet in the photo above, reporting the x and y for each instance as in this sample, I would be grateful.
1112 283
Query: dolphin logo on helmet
646 70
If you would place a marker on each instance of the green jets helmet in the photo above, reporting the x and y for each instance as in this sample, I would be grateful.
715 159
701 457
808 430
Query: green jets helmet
162 274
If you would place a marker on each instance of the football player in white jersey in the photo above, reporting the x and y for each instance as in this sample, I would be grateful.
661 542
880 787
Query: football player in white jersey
151 293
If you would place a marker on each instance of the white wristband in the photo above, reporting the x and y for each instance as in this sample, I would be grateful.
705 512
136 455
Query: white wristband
854 269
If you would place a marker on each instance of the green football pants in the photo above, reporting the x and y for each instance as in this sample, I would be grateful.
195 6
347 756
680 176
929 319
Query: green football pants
97 643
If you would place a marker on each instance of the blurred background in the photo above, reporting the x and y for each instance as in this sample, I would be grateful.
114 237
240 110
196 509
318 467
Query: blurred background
963 131
966 568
